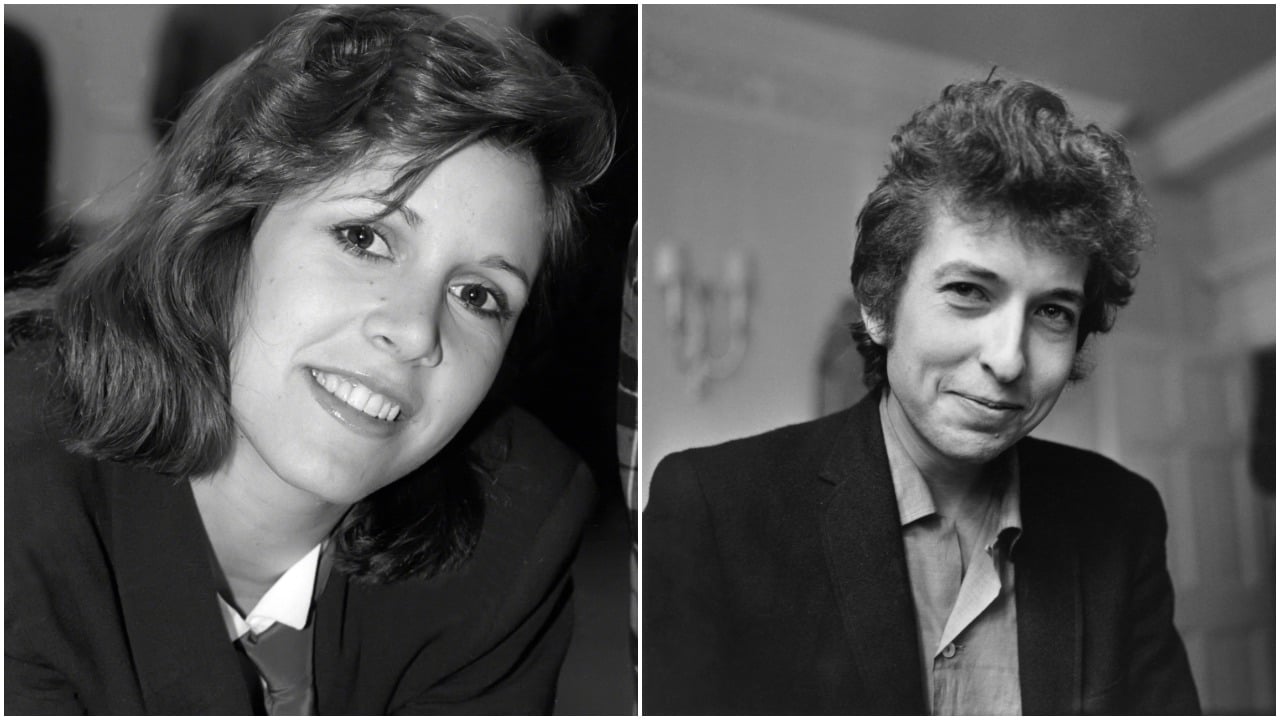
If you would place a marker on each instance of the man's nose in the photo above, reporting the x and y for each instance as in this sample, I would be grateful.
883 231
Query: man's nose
1003 351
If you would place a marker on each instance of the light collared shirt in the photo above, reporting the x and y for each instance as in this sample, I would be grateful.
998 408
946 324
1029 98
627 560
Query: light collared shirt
965 610
288 601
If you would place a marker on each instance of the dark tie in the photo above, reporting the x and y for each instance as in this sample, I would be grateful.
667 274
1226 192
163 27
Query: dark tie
283 657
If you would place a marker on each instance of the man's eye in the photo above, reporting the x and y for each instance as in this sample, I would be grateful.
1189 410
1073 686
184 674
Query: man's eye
482 300
362 241
1058 316
966 291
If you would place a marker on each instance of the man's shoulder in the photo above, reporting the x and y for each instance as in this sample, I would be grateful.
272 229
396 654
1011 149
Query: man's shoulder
781 453
1071 473
771 445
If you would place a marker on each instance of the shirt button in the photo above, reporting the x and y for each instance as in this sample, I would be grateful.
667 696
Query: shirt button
949 651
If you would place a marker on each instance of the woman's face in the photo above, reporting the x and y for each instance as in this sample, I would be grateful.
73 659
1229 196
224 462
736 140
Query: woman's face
368 342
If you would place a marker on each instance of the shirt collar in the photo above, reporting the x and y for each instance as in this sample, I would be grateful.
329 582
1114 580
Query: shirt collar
1009 485
915 501
288 601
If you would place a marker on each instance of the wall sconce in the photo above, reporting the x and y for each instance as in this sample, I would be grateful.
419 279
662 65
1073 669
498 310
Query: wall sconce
707 320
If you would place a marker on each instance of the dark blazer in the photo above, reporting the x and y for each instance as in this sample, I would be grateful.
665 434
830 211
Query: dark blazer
775 582
110 604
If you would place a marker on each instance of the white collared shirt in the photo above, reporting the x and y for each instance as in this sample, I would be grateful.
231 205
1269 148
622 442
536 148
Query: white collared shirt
288 601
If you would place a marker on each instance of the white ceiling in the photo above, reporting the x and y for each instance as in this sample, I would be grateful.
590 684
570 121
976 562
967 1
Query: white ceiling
1158 60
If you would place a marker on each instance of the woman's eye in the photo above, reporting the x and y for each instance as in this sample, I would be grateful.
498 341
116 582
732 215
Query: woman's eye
362 241
481 299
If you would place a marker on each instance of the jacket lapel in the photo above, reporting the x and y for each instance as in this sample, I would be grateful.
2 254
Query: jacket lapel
862 537
335 655
1048 597
184 661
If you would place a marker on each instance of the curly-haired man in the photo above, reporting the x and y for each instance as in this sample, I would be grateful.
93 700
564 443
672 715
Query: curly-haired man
918 553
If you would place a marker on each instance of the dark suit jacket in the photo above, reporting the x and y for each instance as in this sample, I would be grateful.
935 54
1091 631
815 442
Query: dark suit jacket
110 604
775 582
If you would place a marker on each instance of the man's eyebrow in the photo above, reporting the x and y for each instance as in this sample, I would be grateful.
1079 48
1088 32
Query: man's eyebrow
497 262
1066 295
964 267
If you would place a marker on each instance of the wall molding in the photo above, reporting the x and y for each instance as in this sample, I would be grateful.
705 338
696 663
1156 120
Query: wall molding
1230 269
1212 126
761 61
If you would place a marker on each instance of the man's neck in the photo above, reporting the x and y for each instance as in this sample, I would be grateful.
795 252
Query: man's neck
957 488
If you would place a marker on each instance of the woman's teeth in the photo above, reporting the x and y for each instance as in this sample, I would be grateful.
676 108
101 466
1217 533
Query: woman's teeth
358 396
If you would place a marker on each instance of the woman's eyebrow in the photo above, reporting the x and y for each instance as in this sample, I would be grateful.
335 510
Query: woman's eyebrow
497 262
412 218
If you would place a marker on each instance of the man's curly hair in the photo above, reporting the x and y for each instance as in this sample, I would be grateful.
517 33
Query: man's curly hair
1001 151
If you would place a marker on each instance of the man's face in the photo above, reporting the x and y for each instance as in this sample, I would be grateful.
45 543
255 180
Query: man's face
983 341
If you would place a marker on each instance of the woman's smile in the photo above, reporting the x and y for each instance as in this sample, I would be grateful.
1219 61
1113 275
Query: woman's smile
372 333
357 407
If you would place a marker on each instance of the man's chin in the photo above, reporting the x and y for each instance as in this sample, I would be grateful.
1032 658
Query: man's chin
978 448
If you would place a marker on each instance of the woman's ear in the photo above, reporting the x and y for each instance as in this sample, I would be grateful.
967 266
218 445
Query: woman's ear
875 327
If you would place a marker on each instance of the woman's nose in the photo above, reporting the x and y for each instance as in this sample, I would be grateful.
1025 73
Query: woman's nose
1003 352
408 328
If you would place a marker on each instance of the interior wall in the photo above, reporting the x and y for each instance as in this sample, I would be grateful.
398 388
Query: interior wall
1241 279
1242 221
784 197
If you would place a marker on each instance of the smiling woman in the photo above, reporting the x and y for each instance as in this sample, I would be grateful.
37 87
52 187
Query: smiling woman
356 316
252 456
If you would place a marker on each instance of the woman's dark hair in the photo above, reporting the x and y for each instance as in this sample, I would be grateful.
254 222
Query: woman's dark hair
143 320
1001 151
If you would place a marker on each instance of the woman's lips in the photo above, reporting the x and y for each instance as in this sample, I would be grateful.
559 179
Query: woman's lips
366 411
373 404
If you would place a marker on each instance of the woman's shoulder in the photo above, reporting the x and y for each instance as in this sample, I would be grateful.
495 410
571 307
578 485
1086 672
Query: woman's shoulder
46 486
28 380
531 447
34 439
538 496
537 481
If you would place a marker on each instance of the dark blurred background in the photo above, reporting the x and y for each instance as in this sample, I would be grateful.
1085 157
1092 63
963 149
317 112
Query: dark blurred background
90 89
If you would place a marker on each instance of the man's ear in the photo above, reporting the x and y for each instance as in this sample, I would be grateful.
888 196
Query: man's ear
875 328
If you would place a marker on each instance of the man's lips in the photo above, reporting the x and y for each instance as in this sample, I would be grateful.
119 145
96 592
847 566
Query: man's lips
991 403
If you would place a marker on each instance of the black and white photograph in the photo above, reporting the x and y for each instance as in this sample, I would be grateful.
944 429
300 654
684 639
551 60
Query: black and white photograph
313 325
918 435
640 359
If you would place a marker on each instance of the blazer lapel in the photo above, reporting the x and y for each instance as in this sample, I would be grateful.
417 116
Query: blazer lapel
863 541
186 665
335 653
1047 590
